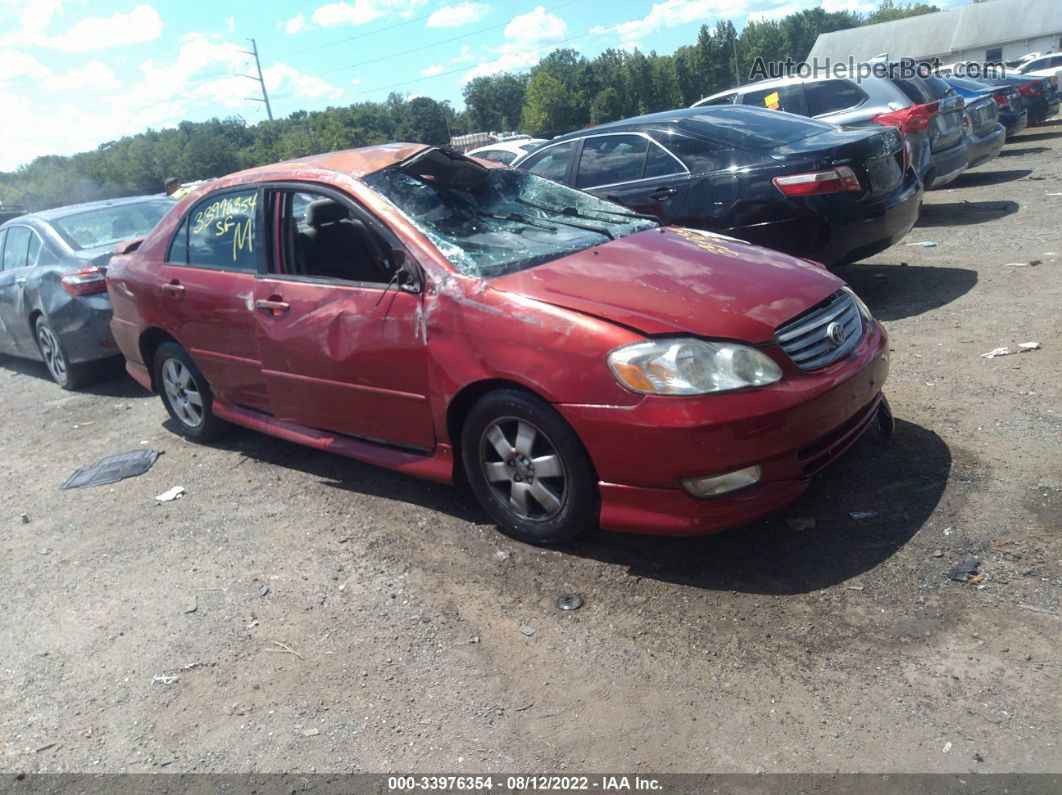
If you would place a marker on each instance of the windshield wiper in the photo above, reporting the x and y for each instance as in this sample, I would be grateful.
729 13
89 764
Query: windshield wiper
517 218
571 211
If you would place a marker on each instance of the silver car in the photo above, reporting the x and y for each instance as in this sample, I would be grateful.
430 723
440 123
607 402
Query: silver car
932 128
54 306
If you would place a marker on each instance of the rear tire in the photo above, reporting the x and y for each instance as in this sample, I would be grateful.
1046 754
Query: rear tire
186 394
63 372
528 468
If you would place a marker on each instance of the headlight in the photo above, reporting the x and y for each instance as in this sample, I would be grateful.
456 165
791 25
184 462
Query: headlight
687 366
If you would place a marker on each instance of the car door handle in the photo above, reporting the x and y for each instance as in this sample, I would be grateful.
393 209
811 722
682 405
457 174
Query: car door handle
174 289
276 308
662 193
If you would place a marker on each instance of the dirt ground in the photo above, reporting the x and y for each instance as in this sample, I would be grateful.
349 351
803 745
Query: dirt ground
297 611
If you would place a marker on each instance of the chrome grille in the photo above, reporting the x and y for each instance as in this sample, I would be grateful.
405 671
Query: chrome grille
805 338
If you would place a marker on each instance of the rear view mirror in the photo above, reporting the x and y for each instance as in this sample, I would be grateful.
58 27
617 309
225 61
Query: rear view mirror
407 274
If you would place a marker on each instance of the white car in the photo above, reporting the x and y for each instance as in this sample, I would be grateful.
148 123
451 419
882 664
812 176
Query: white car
507 151
1049 65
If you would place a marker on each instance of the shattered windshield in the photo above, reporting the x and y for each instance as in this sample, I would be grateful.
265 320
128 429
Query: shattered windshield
509 221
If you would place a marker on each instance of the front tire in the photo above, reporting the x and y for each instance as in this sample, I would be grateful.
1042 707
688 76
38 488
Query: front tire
528 468
186 394
63 372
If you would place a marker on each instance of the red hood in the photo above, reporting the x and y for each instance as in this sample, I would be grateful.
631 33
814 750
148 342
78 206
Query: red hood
679 280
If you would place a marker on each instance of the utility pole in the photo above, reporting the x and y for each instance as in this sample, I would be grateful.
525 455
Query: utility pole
737 72
261 81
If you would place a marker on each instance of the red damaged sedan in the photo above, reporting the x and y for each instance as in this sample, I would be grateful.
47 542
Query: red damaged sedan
578 364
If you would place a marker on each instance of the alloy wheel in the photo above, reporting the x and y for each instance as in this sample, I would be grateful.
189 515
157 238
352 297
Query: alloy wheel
523 468
52 353
183 392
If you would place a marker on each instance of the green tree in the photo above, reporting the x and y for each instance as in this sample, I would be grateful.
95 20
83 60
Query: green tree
606 106
424 122
547 106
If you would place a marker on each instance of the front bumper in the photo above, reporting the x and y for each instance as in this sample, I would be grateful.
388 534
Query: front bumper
982 149
792 430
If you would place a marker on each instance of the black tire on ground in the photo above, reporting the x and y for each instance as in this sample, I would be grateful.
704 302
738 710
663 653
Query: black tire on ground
56 362
528 468
186 394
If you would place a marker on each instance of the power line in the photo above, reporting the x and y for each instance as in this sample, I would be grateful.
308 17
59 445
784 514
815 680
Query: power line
464 68
438 43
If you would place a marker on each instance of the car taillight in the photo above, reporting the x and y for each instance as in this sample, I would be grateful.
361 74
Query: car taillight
1001 100
966 121
909 119
87 281
1030 89
835 180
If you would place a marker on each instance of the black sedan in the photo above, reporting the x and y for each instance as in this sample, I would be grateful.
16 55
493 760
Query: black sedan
791 183
53 294
1039 96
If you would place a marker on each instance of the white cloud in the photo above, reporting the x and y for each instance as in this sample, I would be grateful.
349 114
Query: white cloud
525 36
434 69
284 81
15 64
670 13
458 15
141 24
359 12
356 81
230 24
94 76
464 56
296 24
771 14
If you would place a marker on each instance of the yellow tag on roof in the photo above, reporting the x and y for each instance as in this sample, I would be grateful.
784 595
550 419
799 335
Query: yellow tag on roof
772 100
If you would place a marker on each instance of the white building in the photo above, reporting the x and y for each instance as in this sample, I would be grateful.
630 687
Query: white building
1002 30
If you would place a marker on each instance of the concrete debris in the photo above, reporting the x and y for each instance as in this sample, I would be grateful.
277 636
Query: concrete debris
171 494
965 572
526 630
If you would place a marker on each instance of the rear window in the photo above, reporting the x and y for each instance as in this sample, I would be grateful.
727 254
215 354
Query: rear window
939 87
916 91
830 96
788 98
108 225
751 128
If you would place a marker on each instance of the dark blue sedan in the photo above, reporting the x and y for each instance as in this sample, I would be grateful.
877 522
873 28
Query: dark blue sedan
1012 114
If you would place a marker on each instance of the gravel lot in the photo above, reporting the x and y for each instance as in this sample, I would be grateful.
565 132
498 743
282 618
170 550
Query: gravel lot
300 611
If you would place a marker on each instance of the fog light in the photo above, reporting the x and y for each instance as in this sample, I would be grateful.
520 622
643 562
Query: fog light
715 485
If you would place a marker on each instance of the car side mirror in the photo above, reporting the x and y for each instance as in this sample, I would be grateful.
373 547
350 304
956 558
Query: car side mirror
407 274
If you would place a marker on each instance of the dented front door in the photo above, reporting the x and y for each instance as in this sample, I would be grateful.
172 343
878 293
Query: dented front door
345 357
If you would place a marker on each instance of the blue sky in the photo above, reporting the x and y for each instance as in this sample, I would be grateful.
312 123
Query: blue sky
76 73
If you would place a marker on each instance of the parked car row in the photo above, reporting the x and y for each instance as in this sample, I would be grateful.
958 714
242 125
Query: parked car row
572 337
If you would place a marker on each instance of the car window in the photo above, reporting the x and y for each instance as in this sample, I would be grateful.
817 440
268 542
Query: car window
608 159
787 98
3 237
34 252
505 219
830 96
725 99
105 226
323 238
16 247
915 90
497 155
551 163
660 163
222 231
744 127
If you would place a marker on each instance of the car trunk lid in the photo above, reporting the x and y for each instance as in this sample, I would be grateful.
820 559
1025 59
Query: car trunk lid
983 115
945 129
876 155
